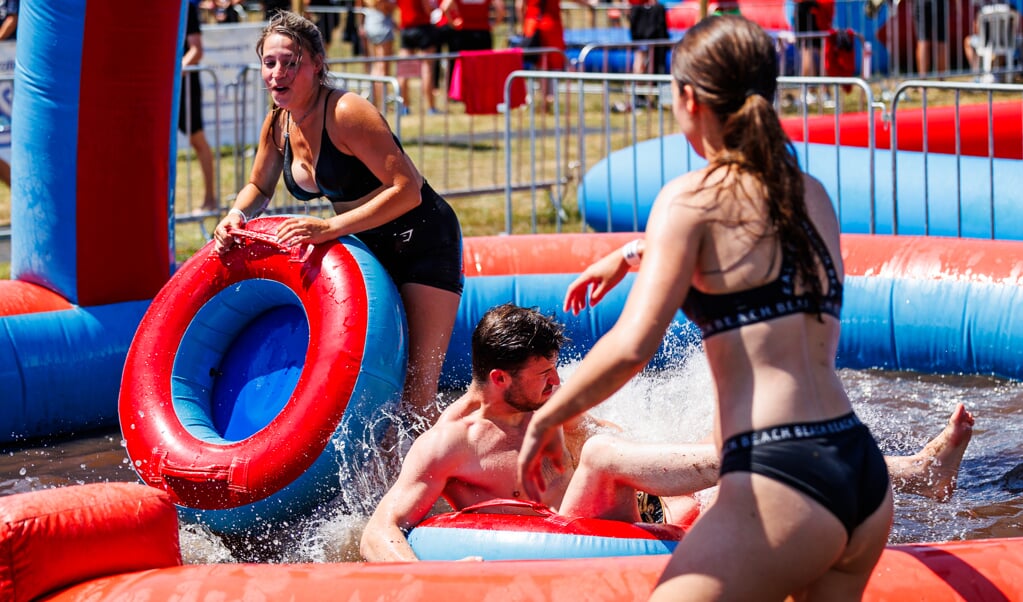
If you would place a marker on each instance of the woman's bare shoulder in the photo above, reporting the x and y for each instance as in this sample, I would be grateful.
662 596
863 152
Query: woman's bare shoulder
690 196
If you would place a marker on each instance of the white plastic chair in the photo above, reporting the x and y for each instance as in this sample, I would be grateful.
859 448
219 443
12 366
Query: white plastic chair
996 36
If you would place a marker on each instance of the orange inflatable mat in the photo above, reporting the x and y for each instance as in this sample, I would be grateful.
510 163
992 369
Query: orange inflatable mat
116 541
55 538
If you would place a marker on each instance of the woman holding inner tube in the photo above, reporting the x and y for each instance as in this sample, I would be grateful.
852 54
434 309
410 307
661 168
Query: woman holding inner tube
748 246
334 143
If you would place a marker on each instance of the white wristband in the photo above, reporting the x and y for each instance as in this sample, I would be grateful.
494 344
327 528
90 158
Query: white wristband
631 252
245 219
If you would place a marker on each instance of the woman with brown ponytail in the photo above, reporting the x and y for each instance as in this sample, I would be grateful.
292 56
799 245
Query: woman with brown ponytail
335 144
748 246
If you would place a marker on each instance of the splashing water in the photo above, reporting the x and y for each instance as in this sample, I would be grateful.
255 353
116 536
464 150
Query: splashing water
903 410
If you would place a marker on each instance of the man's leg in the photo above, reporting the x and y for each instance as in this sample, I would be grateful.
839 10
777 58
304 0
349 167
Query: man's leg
932 472
611 470
426 74
403 81
204 155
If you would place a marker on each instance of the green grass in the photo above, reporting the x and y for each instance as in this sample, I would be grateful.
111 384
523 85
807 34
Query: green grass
457 166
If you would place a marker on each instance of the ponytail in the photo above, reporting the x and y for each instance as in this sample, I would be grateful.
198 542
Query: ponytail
732 66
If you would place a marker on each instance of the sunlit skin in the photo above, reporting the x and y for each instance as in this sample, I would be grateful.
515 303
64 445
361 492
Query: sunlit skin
717 229
468 456
291 87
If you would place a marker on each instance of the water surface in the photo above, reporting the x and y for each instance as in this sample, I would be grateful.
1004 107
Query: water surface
904 410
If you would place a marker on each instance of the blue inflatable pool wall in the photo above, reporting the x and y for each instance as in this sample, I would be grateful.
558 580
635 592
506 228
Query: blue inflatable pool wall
937 194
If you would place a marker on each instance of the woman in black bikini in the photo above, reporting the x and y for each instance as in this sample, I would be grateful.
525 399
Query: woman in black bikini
335 144
749 248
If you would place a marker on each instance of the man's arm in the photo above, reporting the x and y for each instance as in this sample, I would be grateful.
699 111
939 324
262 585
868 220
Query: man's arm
425 471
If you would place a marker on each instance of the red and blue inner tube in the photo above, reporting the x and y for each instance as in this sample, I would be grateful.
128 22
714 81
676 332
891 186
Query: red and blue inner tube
257 373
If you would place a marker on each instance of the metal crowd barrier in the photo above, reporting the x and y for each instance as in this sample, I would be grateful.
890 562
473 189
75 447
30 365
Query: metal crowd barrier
586 129
988 93
528 163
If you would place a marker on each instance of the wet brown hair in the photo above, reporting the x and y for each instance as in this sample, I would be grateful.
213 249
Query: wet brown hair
732 66
507 336
309 39
302 31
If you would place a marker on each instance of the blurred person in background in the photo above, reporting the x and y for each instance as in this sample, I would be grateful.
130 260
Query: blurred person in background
190 121
931 20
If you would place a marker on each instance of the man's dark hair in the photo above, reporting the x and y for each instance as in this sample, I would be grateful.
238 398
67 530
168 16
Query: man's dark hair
508 335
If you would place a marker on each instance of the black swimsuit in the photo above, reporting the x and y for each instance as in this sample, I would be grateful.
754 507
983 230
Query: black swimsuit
423 246
715 313
836 462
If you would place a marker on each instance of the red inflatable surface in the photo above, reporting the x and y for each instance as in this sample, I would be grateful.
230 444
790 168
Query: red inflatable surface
21 297
106 542
974 122
769 14
55 538
862 254
519 515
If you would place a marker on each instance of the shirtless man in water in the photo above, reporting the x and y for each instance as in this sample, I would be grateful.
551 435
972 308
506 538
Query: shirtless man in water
469 455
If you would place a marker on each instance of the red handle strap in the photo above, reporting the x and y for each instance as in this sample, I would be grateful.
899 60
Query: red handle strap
236 475
490 506
298 255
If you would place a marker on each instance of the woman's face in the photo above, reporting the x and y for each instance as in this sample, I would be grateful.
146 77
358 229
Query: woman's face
289 73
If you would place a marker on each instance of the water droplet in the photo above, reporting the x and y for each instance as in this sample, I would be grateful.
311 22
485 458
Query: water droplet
23 472
138 462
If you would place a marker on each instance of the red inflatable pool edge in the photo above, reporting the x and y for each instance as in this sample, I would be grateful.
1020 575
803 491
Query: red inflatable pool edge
116 541
21 297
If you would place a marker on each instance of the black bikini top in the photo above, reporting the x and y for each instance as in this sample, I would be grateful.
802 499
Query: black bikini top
716 313
339 177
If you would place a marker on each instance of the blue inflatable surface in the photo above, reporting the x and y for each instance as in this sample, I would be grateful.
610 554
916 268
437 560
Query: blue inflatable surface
924 325
432 543
604 60
936 194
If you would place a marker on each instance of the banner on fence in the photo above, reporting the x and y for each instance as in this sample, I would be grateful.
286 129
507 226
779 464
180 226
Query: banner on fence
227 50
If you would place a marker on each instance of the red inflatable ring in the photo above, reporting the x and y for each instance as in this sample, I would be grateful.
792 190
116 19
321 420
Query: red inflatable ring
353 363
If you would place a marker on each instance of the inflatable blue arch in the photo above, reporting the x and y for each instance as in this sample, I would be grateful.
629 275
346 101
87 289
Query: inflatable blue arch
92 140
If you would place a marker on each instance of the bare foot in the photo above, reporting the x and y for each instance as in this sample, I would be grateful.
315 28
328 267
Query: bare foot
933 471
